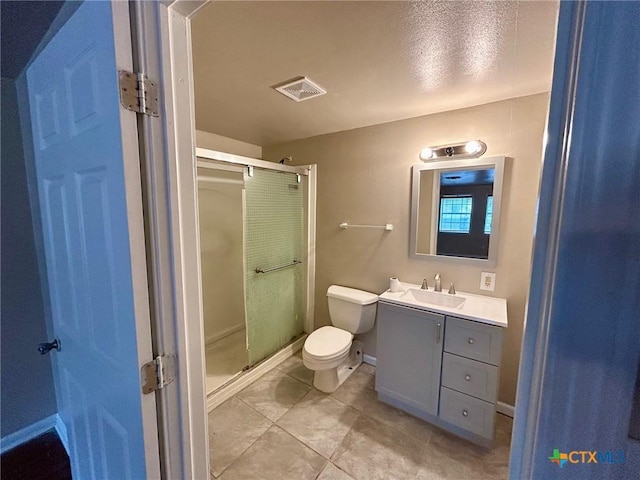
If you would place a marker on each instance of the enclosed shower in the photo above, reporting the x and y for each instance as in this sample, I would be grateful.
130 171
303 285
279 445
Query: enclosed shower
255 268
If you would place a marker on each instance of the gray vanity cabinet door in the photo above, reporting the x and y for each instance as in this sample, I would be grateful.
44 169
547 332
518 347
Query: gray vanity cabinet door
409 356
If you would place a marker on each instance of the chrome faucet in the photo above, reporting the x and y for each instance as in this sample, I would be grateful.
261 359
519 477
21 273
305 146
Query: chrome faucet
438 285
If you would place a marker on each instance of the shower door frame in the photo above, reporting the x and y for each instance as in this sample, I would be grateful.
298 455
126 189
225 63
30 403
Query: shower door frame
203 158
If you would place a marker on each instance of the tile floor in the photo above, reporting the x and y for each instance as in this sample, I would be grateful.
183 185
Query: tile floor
225 359
280 427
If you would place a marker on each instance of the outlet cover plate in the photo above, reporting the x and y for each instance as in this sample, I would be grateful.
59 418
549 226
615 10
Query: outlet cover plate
488 281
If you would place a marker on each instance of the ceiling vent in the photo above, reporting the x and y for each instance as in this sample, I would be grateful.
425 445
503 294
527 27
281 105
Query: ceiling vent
300 89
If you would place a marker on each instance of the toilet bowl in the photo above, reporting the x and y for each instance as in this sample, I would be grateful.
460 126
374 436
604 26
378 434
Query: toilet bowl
330 351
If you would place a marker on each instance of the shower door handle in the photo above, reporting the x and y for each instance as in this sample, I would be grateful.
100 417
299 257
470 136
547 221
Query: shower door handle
273 269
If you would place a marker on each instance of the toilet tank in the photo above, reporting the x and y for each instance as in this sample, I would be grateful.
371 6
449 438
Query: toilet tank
352 310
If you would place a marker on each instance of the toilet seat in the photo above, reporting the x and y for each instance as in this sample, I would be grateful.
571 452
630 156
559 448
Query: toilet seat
327 343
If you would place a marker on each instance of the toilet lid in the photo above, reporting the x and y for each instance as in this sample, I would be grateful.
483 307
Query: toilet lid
327 342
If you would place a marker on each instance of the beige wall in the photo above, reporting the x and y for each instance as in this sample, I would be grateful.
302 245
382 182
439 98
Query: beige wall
364 176
213 141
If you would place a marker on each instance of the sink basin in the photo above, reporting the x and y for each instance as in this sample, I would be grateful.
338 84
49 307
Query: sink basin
433 298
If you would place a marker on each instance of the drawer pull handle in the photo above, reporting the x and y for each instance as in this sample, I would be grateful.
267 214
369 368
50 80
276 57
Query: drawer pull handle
465 413
467 378
471 340
438 332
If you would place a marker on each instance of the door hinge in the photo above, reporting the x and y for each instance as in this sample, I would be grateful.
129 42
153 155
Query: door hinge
158 373
138 93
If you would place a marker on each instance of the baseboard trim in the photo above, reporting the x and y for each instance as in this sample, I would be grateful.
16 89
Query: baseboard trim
61 429
27 433
245 379
224 334
369 359
505 409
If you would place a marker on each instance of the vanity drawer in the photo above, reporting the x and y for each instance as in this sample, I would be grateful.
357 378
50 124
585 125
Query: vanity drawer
473 340
469 376
466 412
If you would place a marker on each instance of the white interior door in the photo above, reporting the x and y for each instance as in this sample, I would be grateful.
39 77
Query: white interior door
87 169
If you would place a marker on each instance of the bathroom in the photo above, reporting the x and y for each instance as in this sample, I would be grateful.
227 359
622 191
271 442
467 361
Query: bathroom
364 158
112 289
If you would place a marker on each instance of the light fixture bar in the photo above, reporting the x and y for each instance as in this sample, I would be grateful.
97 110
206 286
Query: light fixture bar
470 149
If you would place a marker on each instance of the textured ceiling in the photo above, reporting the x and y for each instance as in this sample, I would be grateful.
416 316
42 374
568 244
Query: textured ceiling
378 61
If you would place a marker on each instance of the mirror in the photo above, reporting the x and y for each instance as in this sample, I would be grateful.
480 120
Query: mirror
455 210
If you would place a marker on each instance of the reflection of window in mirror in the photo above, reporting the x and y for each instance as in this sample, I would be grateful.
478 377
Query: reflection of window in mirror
465 209
488 215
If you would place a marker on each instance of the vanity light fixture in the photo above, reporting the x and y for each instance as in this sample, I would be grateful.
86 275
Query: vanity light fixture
470 149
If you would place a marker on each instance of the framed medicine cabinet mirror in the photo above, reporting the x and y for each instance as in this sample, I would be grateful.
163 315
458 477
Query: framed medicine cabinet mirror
455 210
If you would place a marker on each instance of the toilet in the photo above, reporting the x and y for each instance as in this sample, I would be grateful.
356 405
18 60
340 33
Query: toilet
331 351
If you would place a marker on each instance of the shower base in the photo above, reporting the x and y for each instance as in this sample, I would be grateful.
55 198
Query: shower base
247 377
225 359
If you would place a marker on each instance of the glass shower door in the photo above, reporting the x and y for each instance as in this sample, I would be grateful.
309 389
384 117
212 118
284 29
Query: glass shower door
274 242
220 209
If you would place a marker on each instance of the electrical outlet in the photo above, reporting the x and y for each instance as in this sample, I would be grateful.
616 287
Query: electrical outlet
488 281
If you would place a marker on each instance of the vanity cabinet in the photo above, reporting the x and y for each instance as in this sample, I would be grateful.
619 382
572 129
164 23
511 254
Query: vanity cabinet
439 367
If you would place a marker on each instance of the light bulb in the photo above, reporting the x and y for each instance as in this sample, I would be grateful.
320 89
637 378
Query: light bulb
426 154
472 147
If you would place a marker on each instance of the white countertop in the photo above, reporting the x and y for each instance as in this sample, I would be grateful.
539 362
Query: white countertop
490 310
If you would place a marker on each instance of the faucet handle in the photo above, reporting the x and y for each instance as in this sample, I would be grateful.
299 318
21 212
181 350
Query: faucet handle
452 289
424 286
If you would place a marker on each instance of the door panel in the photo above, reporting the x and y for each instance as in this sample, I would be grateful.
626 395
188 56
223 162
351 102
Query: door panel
409 356
83 169
56 231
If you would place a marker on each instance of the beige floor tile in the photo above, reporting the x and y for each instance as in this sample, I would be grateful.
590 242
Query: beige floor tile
451 457
331 472
294 367
319 421
490 471
438 466
366 368
276 456
274 394
356 390
233 427
359 392
452 469
453 446
430 475
374 451
455 457
396 418
499 454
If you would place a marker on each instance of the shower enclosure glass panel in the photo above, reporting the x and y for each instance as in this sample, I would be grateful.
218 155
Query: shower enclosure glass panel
220 205
274 242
